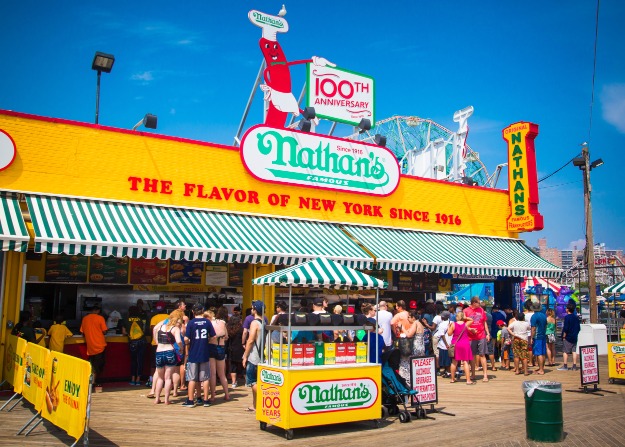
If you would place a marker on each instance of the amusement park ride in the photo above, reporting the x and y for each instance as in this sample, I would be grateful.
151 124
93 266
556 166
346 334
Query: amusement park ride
421 146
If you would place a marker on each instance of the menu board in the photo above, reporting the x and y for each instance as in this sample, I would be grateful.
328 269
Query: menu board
185 272
216 274
235 275
66 268
404 281
148 271
108 270
430 282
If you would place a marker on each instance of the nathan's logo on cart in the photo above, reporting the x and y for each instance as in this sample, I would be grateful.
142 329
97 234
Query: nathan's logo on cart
334 395
272 377
318 161
264 19
618 349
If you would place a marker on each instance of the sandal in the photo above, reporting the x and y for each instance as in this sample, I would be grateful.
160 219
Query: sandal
471 383
250 410
150 396
452 381
494 369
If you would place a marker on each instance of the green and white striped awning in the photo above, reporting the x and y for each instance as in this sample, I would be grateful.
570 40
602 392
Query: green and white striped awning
419 251
615 288
13 233
88 227
321 272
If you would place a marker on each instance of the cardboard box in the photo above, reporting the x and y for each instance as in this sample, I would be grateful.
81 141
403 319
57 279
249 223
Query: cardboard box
275 356
309 354
350 355
361 352
329 353
341 353
297 355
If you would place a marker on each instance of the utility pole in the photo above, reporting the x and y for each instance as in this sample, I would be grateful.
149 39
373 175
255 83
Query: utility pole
590 245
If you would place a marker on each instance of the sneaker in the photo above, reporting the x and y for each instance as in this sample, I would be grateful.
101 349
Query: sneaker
148 384
234 385
564 368
199 401
574 368
188 403
132 383
207 403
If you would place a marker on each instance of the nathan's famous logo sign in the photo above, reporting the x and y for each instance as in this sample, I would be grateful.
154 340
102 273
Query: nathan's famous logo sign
523 185
272 377
334 395
297 158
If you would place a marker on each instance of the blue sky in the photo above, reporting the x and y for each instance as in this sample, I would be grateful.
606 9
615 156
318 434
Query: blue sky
193 63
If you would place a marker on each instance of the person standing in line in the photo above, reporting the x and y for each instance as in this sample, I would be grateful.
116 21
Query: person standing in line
93 328
539 336
167 334
235 348
442 343
506 345
519 331
134 328
459 331
529 312
480 337
159 315
251 356
551 338
58 333
199 330
399 322
217 348
384 321
570 332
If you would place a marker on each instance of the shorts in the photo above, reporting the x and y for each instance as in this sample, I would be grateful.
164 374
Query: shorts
197 372
443 358
479 347
568 347
216 352
251 373
97 362
435 340
165 358
490 346
519 348
540 347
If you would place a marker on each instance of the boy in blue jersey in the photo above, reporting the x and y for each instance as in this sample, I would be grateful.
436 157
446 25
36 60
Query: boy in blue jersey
199 330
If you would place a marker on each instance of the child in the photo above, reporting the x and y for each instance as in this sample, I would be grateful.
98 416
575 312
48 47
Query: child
445 340
58 332
506 344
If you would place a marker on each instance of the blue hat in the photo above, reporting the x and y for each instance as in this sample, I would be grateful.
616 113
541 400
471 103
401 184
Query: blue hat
258 306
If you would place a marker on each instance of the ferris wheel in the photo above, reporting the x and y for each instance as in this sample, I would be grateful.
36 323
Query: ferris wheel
427 149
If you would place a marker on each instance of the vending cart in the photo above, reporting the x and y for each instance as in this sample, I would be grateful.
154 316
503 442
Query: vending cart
309 382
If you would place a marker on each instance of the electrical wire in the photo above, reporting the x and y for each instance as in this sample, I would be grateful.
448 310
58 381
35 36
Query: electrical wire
594 69
559 169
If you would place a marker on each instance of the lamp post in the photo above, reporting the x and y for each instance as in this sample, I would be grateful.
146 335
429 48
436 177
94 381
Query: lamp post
102 62
583 163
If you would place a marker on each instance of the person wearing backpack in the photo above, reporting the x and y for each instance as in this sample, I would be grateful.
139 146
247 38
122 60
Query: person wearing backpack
134 328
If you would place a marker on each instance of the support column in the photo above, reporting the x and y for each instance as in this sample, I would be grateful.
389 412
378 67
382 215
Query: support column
11 298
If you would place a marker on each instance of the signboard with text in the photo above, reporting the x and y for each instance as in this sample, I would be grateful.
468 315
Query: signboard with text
423 379
588 356
340 95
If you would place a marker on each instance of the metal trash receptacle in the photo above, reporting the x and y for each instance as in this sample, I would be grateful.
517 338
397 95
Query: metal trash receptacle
543 411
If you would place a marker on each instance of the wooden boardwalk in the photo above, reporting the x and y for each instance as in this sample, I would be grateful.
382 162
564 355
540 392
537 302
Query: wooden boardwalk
486 414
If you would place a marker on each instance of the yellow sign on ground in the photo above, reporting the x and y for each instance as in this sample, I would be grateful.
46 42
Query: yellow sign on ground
35 371
14 362
616 360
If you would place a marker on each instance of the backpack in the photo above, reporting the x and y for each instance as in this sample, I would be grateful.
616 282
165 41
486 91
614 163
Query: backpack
136 332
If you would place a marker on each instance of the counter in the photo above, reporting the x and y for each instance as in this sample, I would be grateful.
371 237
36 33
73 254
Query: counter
117 366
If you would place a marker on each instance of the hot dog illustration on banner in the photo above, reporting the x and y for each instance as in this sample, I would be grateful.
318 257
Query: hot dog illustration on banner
277 74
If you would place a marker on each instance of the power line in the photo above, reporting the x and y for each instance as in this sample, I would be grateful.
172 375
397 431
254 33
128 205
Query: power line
594 69
559 169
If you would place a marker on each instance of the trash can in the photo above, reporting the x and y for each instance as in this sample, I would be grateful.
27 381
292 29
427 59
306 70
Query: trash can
543 411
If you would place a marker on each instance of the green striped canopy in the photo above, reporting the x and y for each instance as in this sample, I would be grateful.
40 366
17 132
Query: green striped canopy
419 251
615 288
89 227
13 233
321 272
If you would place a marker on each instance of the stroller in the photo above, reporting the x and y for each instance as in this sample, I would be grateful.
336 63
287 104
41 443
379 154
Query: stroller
395 390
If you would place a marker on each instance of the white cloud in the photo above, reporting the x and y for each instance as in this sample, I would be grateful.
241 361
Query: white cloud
613 102
577 245
146 76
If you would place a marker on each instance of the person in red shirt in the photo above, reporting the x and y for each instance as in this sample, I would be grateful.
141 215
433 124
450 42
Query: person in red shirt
479 334
93 328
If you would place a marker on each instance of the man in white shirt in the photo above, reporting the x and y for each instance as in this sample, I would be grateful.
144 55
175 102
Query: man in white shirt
384 321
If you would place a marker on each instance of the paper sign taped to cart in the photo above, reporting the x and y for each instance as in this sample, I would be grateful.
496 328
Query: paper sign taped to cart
334 395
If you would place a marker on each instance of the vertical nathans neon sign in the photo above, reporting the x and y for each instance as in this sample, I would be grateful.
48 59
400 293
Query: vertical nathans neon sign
522 181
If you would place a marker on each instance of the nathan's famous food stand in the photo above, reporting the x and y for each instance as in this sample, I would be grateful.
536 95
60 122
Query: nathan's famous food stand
299 390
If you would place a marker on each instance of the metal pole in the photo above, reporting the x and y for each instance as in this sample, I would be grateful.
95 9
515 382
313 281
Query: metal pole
590 246
97 98
259 76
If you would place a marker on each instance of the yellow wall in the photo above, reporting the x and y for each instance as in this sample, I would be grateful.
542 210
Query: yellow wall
59 157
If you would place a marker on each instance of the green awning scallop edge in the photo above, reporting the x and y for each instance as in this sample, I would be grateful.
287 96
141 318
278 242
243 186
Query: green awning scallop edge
13 232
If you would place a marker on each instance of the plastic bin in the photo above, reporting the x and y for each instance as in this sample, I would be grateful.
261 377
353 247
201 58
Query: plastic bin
543 411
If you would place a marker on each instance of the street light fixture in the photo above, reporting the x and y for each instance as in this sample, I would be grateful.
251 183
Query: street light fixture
102 62
149 121
584 164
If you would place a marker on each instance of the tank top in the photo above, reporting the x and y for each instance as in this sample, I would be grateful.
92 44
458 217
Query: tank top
551 328
164 337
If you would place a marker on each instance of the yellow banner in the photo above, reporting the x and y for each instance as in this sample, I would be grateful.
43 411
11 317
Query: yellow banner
36 371
14 362
616 360
67 393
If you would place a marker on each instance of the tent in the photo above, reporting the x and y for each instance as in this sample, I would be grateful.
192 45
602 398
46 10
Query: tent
545 283
616 288
321 272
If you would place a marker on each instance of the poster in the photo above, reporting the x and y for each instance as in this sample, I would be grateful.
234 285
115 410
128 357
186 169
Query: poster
148 271
35 374
589 364
67 392
108 270
66 268
423 379
235 275
185 272
14 362
216 274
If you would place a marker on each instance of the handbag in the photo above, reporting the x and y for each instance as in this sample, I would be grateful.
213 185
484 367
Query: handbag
405 345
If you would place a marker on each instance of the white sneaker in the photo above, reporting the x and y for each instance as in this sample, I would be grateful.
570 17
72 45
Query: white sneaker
234 385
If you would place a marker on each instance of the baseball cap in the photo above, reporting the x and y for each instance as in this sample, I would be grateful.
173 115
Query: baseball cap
198 308
371 320
445 314
501 323
258 305
413 304
318 301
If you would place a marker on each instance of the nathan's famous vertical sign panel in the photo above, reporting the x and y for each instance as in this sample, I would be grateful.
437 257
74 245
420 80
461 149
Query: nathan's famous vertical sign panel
522 181
67 392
